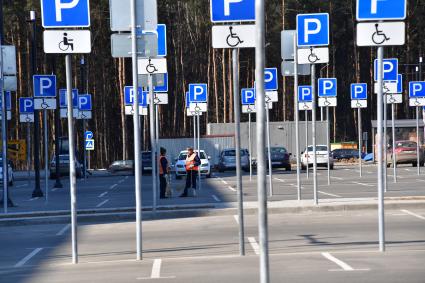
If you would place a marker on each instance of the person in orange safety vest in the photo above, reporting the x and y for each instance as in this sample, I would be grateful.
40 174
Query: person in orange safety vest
164 169
192 169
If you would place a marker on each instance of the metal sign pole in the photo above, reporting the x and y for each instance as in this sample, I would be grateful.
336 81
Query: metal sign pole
29 153
306 143
269 150
328 144
385 143
359 117
85 153
136 127
236 102
261 160
313 131
46 156
194 131
379 140
418 142
297 119
199 149
3 129
250 146
72 176
153 142
393 138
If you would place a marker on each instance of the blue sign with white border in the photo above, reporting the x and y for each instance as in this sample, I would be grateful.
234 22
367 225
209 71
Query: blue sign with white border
327 87
373 10
164 87
26 105
88 135
161 32
359 91
89 144
248 96
400 83
63 102
271 79
8 101
313 29
305 94
44 86
84 102
232 10
416 89
198 93
390 69
129 96
65 13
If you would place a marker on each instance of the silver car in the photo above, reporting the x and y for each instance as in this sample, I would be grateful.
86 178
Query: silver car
227 160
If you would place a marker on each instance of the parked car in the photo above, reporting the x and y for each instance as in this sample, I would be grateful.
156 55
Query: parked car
146 162
406 152
341 154
121 165
280 158
9 172
180 166
227 160
64 166
322 157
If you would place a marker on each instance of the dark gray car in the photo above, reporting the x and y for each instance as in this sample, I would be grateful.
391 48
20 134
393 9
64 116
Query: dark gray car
227 160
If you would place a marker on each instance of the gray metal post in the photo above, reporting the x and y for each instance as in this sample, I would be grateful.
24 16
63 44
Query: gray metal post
3 127
328 144
297 119
29 152
136 127
237 110
153 142
380 151
72 175
46 156
199 149
359 117
306 144
393 143
417 142
157 142
261 131
250 146
313 132
194 131
321 114
85 152
385 143
269 157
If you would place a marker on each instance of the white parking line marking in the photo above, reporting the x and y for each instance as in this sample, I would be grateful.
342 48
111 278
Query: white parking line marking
120 181
338 178
254 245
216 198
280 180
156 269
236 218
102 203
340 263
28 257
102 195
113 186
63 230
420 180
231 188
21 186
224 182
363 184
413 214
54 190
33 199
328 194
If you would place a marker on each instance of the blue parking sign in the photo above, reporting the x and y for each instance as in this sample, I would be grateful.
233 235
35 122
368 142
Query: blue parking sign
400 83
390 69
63 102
270 79
161 32
198 93
232 10
187 99
88 135
8 101
416 89
26 105
372 10
313 29
327 87
84 102
129 96
305 94
44 85
65 13
164 87
358 91
248 96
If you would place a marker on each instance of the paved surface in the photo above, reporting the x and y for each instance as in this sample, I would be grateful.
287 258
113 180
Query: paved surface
118 191
310 247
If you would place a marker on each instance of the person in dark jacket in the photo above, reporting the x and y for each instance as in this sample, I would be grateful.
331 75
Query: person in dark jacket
164 169
192 169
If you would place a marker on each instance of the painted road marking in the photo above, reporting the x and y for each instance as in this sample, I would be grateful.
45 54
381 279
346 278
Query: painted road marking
231 188
328 194
33 199
363 184
113 186
54 190
420 180
28 257
126 177
21 186
216 198
63 230
340 263
338 178
236 218
156 269
102 203
254 245
121 181
413 214
102 195
280 180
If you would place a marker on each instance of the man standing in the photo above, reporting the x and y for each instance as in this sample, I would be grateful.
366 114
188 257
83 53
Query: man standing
192 167
163 170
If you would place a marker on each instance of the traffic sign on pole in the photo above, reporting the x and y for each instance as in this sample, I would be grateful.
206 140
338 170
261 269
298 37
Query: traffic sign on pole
129 96
65 14
359 91
146 14
44 86
416 94
271 81
84 102
370 10
313 55
198 93
248 96
313 29
232 10
390 69
67 41
26 105
63 98
235 36
327 87
381 34
152 66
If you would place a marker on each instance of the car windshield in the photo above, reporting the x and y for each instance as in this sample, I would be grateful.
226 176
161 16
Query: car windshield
278 150
318 148
233 152
406 144
183 156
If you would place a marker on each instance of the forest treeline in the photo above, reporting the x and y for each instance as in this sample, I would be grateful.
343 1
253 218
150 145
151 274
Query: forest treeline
192 59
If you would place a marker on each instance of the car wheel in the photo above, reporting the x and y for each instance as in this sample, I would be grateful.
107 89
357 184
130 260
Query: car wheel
288 168
421 164
332 167
303 167
414 164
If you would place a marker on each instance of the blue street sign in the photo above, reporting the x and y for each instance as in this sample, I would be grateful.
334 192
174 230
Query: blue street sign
400 83
89 144
416 89
370 10
84 102
198 92
88 135
248 96
129 96
271 79
313 29
63 102
358 91
8 101
305 94
65 13
232 10
327 87
26 105
44 85
164 87
390 69
161 32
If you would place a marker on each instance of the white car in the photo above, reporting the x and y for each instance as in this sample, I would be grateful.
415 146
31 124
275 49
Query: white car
10 173
204 168
322 157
